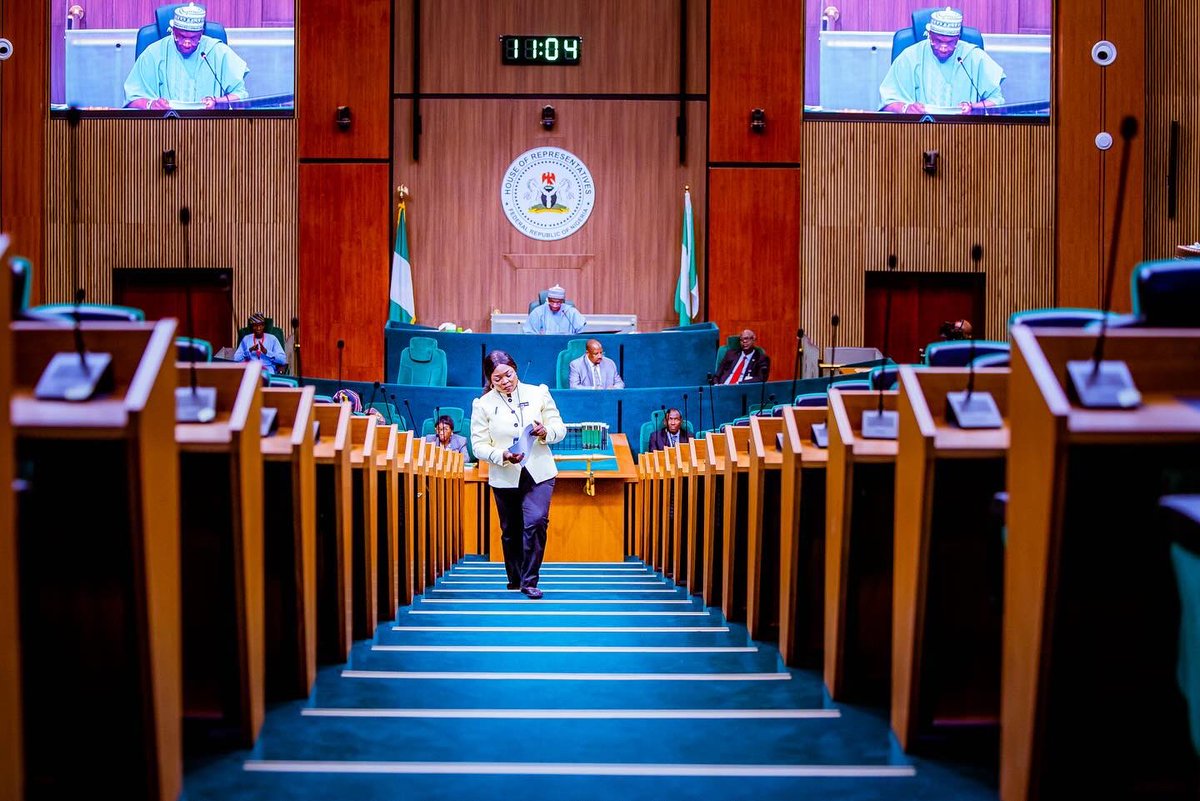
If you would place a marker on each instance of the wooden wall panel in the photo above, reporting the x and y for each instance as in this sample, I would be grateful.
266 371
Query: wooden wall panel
1090 99
1172 93
872 199
24 93
344 239
467 258
756 61
754 257
343 58
237 176
629 46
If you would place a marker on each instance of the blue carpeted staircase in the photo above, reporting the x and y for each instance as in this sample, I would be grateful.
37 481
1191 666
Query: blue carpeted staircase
616 684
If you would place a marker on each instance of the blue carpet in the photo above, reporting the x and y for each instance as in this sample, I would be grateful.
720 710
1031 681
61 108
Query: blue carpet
600 689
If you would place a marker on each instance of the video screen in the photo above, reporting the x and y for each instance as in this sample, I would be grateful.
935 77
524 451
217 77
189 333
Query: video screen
976 59
217 56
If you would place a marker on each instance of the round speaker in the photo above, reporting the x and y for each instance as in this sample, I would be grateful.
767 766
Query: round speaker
1104 52
6 50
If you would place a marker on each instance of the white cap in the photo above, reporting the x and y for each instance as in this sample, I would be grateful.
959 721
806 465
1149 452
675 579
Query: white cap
189 18
946 22
556 291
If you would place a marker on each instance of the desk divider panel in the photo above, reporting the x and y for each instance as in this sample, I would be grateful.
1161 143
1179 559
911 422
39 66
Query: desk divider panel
762 538
802 497
335 621
736 478
99 597
221 559
11 757
693 518
712 446
290 545
387 518
406 538
364 487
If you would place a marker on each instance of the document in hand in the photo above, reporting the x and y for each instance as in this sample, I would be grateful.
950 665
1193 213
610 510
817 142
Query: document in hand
524 443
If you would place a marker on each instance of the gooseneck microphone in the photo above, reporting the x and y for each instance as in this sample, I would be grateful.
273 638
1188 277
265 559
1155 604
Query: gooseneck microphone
412 420
197 405
700 391
341 346
371 402
221 86
685 410
762 391
834 321
799 359
967 72
296 349
887 325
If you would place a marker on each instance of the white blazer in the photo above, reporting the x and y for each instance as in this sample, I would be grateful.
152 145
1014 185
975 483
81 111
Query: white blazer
496 422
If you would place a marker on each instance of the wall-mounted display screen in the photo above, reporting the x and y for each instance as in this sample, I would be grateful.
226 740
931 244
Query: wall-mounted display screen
217 56
976 59
544 51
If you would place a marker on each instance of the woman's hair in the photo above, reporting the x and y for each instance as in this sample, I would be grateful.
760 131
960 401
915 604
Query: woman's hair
447 419
491 362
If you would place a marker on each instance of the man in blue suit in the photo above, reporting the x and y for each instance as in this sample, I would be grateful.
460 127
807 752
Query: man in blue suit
594 370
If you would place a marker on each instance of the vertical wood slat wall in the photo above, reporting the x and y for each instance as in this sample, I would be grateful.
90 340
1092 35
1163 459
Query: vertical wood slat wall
238 177
1172 93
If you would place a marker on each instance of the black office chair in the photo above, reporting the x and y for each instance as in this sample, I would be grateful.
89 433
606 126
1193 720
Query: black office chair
1166 293
907 37
149 34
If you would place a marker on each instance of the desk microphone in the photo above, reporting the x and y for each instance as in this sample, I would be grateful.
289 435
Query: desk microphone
762 391
221 86
197 404
832 352
391 396
978 96
371 402
341 346
413 427
700 390
685 410
882 424
799 359
296 349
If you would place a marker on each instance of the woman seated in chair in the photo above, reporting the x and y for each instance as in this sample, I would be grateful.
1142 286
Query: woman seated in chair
446 437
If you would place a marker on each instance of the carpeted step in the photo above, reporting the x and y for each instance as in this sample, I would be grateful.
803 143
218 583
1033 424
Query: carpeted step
648 635
556 659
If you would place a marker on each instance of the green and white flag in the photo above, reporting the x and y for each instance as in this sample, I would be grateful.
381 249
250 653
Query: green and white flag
687 293
402 308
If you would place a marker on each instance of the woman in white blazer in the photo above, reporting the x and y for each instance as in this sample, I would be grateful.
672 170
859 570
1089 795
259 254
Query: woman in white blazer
512 426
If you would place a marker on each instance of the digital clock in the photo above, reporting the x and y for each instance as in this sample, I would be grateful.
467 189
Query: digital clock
545 51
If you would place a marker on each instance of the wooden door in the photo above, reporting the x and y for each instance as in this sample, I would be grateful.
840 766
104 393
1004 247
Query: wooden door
921 303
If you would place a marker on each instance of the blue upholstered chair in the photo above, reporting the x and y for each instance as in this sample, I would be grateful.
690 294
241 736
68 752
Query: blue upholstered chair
390 414
852 384
1182 525
1056 318
812 399
907 37
422 363
101 312
541 298
562 368
189 349
277 380
149 34
21 276
1166 293
885 376
654 424
957 353
993 360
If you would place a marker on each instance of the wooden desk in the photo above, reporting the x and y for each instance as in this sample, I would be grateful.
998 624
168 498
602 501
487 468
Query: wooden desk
437 512
364 488
290 545
1090 608
422 453
655 516
585 528
712 456
678 511
221 558
335 622
692 525
457 479
98 557
11 757
949 558
406 538
735 476
802 494
762 537
388 508
669 463
859 503
475 503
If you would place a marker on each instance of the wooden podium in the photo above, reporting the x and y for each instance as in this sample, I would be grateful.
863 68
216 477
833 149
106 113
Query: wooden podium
1090 705
221 556
290 544
802 538
98 556
949 560
584 528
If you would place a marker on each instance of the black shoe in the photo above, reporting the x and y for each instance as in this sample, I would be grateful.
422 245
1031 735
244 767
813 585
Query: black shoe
514 586
532 593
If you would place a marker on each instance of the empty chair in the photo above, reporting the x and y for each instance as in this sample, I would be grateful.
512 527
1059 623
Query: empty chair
853 383
884 377
101 312
277 380
1056 318
958 353
1166 293
422 363
992 360
812 399
191 349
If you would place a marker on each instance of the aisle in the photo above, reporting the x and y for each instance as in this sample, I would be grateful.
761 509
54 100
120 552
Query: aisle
615 682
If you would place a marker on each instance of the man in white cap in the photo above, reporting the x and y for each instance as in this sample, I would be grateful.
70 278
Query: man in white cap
187 69
942 72
553 317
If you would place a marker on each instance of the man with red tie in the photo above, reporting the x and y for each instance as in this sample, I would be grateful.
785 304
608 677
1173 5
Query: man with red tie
751 363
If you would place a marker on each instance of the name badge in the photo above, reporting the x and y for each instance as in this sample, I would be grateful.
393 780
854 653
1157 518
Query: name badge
526 403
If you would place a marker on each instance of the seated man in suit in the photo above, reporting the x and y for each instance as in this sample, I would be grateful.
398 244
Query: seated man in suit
594 370
169 72
446 437
552 317
943 71
743 366
671 434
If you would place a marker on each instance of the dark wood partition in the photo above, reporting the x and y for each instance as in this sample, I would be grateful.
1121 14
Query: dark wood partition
335 528
364 548
11 759
735 441
763 541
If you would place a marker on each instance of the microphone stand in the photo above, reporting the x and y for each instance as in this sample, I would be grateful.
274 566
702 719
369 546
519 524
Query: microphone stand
883 424
700 391
296 350
973 409
200 404
712 403
799 359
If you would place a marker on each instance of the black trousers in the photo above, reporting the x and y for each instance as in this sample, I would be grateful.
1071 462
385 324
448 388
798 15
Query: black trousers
524 512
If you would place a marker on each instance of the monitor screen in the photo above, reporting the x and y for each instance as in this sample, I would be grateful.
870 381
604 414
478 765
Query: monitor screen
975 60
211 56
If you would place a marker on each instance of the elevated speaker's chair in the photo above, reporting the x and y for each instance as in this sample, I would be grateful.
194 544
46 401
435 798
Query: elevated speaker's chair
730 342
957 353
422 363
1056 318
149 34
1166 293
189 349
269 327
102 312
562 368
907 37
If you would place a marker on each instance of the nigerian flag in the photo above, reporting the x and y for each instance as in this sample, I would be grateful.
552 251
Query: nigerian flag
401 308
687 292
